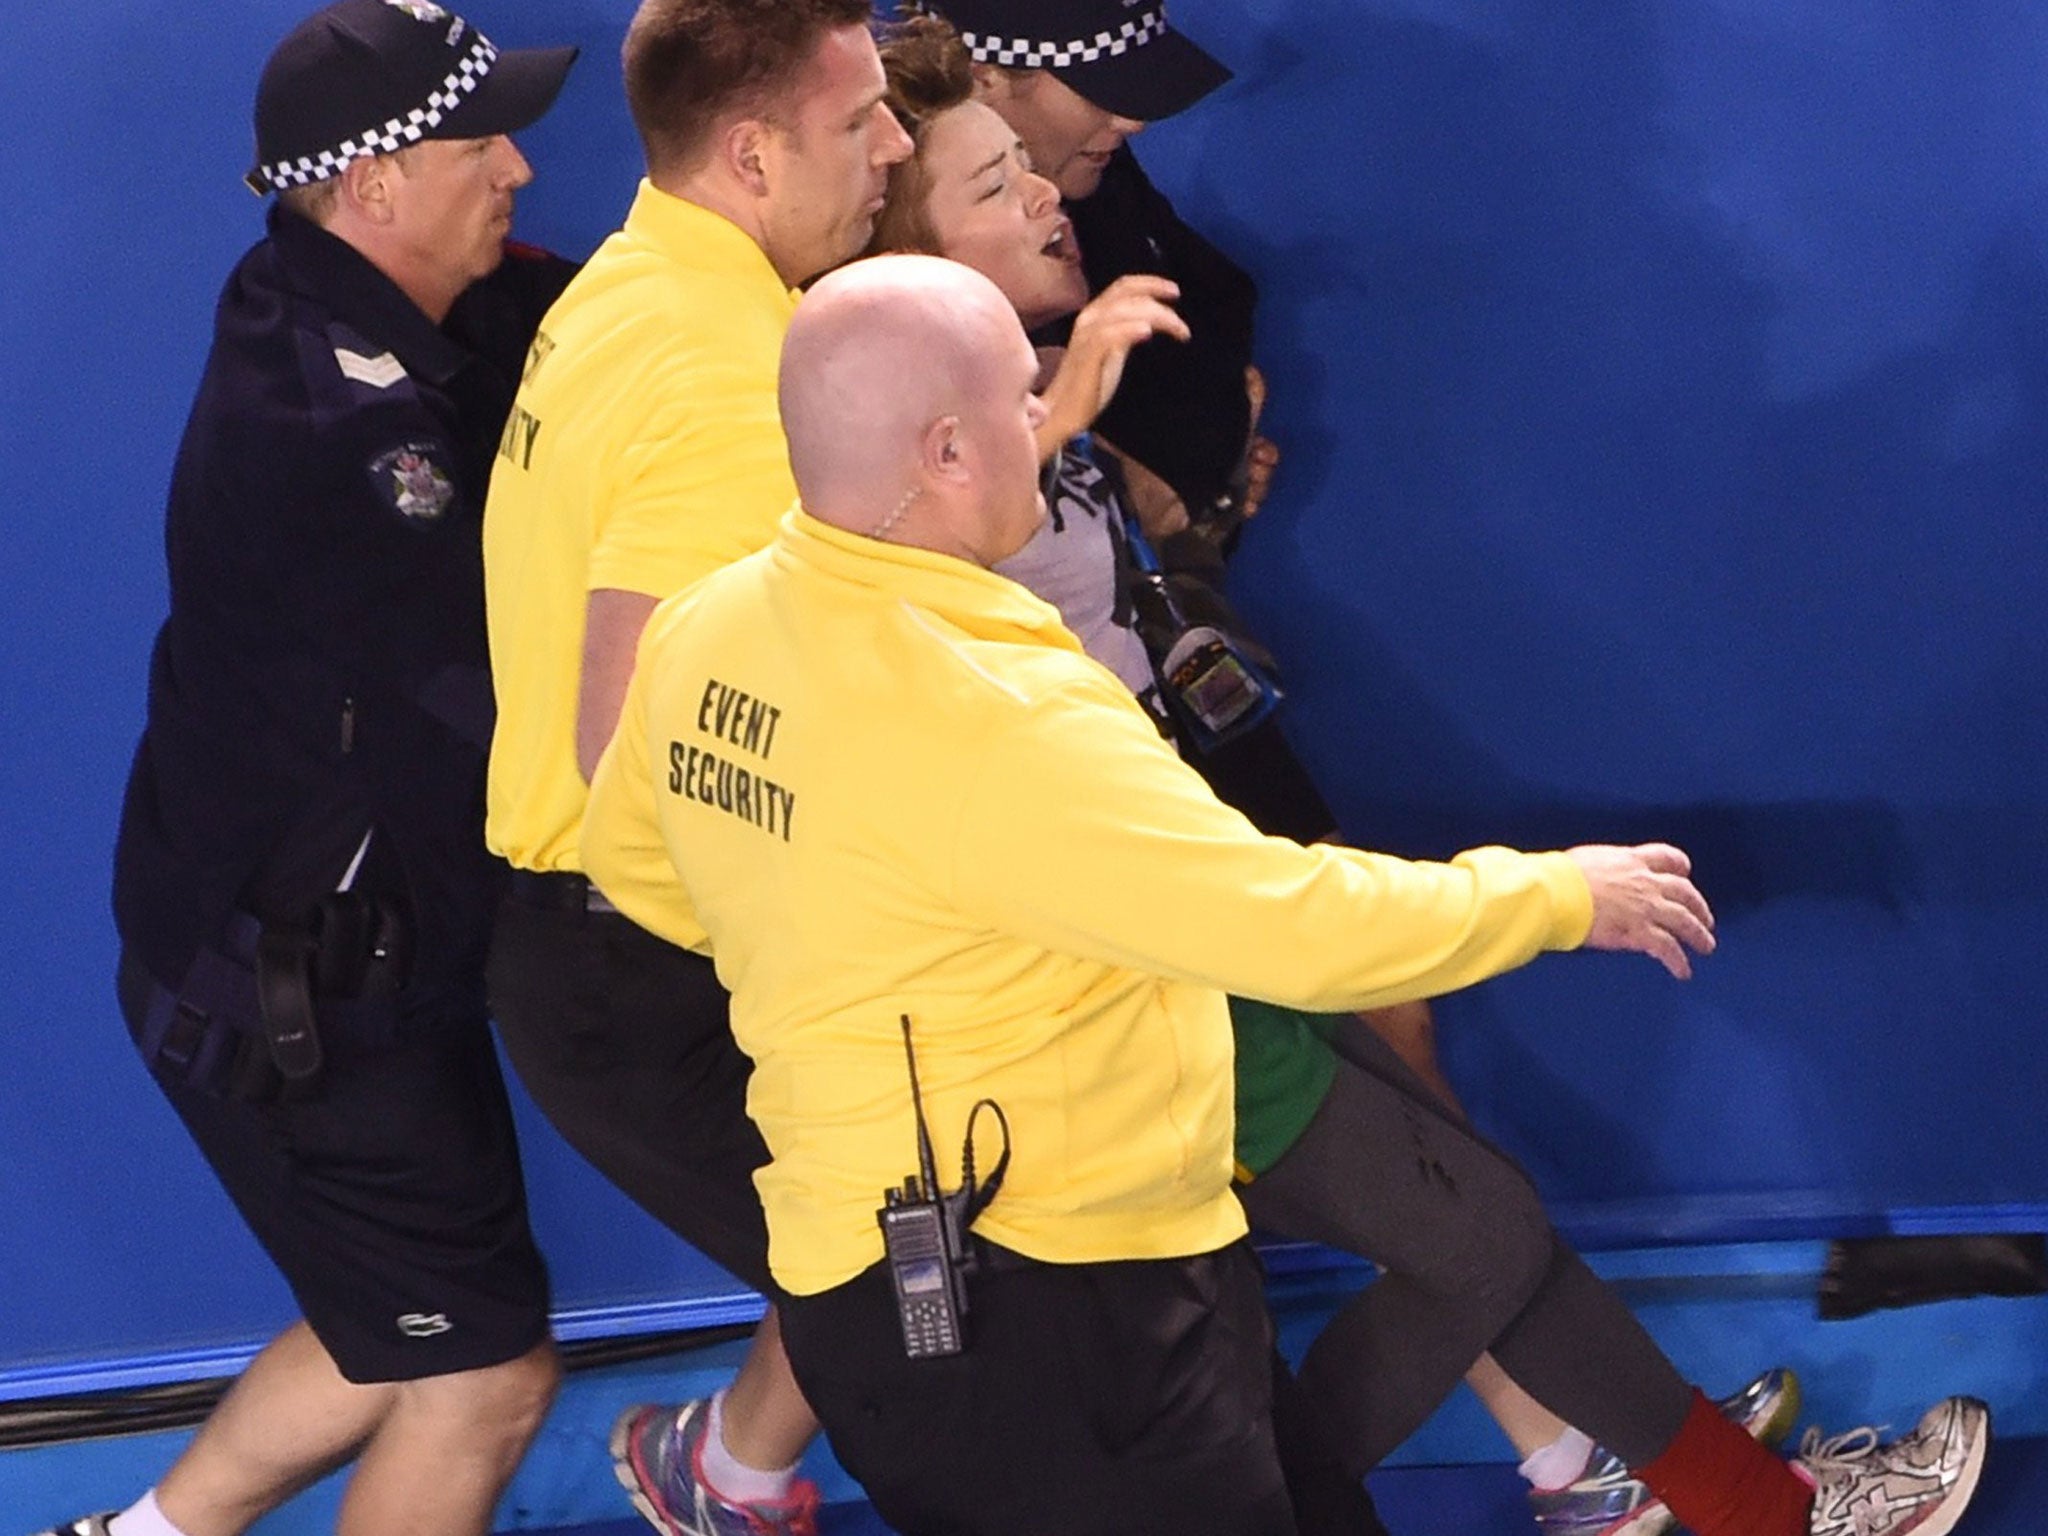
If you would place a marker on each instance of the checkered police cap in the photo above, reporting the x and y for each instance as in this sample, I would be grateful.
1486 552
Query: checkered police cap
1119 54
368 77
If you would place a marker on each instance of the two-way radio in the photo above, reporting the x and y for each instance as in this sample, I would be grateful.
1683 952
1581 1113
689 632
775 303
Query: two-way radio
925 1236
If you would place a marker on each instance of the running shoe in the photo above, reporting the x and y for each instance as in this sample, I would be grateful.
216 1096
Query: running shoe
658 1453
1609 1500
1917 1485
84 1525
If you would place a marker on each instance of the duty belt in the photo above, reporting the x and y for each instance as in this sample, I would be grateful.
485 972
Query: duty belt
249 1021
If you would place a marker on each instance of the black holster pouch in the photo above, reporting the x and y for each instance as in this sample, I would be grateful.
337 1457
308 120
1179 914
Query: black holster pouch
258 1016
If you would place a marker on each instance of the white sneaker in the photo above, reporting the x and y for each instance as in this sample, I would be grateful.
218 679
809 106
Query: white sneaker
1918 1485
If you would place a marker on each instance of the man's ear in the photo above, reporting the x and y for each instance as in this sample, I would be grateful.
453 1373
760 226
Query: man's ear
992 85
941 453
366 187
746 150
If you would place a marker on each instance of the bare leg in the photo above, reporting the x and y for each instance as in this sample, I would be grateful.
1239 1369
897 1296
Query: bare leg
1528 1425
444 1453
288 1421
765 1421
292 1418
1410 1028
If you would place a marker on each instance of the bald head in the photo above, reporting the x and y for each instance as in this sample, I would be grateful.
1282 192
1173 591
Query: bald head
906 382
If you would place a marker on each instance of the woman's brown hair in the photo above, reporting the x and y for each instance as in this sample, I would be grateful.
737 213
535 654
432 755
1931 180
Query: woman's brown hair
929 72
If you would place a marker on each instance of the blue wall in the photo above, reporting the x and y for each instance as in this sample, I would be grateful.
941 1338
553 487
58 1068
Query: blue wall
129 122
1663 391
1663 387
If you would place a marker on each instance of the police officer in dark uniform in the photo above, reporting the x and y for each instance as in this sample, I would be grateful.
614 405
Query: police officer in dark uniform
300 884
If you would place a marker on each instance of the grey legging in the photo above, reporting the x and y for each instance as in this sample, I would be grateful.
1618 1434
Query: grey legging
1387 1172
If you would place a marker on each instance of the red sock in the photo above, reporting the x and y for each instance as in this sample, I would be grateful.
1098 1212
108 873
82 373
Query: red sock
1720 1482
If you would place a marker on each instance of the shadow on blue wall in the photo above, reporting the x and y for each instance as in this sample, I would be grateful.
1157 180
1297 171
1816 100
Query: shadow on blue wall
1662 392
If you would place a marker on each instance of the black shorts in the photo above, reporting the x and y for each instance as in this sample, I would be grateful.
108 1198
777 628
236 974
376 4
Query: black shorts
391 1198
625 1042
1124 1399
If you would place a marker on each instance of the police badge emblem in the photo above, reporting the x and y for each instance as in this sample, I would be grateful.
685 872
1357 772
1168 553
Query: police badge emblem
411 483
419 10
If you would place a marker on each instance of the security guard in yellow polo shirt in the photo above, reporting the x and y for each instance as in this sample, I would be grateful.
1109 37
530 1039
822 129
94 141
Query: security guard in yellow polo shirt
884 787
642 452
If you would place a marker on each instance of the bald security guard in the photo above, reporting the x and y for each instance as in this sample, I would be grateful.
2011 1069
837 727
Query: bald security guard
950 816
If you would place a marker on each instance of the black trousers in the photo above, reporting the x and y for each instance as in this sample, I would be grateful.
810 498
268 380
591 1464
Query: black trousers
1471 1265
625 1043
1124 1399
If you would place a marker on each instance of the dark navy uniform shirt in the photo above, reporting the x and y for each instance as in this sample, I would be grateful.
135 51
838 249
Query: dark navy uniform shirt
1181 409
323 671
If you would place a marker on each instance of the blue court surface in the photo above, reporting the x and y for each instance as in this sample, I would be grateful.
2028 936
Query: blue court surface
1413 1501
1717 1310
1482 1501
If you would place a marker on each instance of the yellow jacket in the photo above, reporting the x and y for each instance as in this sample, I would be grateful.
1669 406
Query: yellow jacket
874 781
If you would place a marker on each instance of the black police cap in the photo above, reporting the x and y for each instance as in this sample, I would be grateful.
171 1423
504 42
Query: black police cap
368 77
1119 54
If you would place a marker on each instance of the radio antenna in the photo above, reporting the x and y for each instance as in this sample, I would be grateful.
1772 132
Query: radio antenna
927 1164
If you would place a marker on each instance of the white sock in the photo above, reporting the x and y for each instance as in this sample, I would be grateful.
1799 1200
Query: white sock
1560 1463
143 1519
731 1479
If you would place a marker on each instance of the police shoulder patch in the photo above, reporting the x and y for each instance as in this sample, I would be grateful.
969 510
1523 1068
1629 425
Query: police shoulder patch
410 480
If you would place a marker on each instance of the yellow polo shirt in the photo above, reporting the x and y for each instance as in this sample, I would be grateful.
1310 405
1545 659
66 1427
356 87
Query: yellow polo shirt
644 449
873 781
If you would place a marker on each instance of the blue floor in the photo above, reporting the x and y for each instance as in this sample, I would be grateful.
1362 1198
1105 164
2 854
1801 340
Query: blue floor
1719 1311
1482 1501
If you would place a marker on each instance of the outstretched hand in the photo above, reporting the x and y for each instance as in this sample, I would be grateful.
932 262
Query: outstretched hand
1133 309
1644 902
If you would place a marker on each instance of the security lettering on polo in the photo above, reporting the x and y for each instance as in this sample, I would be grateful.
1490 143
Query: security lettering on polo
712 774
515 443
522 427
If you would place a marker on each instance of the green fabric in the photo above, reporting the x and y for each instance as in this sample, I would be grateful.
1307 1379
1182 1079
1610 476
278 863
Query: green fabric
1285 1066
